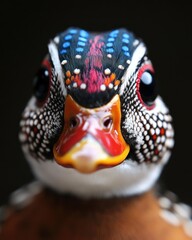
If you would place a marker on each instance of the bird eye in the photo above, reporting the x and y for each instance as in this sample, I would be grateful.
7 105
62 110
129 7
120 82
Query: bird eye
147 87
41 84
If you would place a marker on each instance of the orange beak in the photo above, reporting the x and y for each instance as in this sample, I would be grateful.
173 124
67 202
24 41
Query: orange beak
91 138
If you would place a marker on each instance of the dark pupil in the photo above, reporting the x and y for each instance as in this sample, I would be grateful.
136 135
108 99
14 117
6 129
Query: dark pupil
148 88
41 84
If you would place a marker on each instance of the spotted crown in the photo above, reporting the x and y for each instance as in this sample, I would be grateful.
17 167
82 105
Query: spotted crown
94 64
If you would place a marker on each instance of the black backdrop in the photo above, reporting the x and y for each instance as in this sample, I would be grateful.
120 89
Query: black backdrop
25 31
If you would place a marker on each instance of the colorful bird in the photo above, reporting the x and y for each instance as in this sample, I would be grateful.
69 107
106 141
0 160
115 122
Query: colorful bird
96 135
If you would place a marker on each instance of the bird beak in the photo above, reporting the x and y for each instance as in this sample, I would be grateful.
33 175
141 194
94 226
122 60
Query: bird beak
91 138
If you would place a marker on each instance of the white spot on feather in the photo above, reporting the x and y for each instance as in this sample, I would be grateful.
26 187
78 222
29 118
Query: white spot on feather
170 217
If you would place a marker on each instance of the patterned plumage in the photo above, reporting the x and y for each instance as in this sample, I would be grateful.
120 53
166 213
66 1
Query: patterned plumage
96 128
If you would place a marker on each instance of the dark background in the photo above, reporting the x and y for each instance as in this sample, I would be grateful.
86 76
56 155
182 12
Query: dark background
26 28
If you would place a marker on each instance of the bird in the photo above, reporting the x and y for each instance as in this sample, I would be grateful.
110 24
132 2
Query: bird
96 134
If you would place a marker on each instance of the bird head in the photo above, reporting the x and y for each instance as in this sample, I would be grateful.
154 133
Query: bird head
95 124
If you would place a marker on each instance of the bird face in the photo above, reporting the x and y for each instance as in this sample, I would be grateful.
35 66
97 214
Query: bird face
95 117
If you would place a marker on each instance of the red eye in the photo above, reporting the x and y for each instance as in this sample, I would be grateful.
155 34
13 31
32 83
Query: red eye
41 83
146 86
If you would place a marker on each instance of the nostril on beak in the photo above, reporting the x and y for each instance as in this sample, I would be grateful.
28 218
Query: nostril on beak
107 122
74 122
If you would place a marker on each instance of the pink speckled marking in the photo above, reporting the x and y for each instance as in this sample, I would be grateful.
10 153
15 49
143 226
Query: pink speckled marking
93 75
